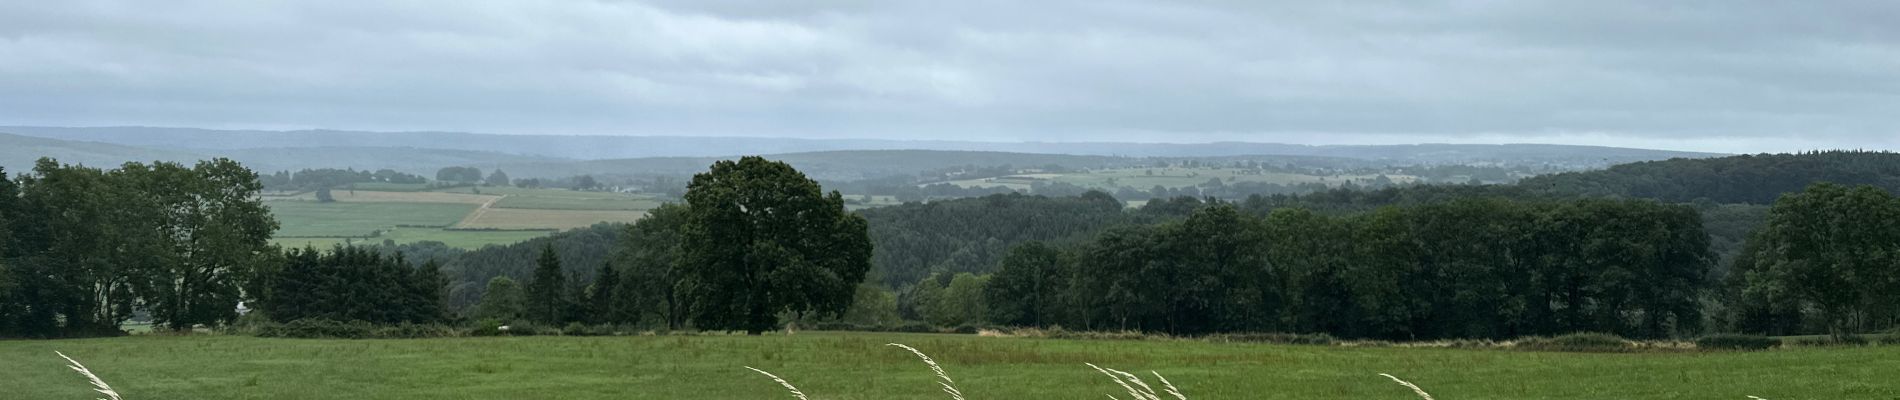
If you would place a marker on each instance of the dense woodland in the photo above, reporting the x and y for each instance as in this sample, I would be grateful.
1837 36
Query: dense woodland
1623 255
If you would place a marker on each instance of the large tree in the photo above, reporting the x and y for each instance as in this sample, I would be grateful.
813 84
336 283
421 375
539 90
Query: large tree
761 238
1833 249
215 226
1026 289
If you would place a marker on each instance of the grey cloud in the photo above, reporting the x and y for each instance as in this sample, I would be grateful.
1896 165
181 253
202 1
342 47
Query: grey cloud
1698 75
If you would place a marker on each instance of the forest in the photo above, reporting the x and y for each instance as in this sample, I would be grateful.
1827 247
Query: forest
1410 263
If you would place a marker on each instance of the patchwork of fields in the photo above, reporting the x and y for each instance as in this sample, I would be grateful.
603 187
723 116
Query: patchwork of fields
860 366
1175 177
465 217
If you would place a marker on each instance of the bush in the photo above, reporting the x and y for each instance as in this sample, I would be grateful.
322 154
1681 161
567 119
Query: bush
1577 342
318 328
487 327
1732 341
1819 341
914 327
1279 338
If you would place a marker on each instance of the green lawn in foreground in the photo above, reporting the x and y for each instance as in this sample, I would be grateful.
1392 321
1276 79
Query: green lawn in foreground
309 218
859 366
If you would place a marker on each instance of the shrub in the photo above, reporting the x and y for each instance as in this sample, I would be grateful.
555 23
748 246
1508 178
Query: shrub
487 327
1732 341
1819 341
1577 342
1279 338
318 328
414 331
914 327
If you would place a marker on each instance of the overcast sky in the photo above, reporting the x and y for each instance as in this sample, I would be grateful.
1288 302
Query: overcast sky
1727 75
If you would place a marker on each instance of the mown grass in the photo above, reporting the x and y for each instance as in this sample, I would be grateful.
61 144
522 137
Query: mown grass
860 366
313 219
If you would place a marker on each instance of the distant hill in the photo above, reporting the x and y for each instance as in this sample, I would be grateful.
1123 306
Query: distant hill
18 153
625 147
1753 179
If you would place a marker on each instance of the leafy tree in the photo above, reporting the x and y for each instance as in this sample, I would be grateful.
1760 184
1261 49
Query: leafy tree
502 301
961 302
872 306
212 215
324 196
585 182
655 284
761 239
498 178
547 293
1027 288
1821 250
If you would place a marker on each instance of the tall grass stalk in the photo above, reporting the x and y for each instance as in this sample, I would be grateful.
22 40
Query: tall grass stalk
788 385
1415 389
1135 387
98 385
949 386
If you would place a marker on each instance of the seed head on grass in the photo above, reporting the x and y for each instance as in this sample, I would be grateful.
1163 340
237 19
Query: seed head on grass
1135 387
949 386
788 385
1415 389
98 385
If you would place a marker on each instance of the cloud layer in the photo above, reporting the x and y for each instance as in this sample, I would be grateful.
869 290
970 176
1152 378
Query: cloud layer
1700 75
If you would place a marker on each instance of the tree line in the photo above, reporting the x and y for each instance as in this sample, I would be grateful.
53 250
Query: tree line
85 249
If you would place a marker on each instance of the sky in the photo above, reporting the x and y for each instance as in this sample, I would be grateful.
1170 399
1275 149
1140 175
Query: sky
1725 76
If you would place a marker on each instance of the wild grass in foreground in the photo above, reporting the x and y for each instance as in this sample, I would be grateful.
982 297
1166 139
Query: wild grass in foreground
848 366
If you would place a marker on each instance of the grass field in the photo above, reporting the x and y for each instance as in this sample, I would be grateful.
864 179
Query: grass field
517 218
309 218
859 366
524 213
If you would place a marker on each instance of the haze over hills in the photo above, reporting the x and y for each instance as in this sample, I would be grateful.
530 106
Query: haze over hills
491 149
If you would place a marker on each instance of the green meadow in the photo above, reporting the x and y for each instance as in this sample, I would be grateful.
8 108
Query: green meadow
860 366
340 219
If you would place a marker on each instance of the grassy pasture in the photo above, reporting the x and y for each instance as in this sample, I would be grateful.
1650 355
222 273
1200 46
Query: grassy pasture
372 196
313 219
517 218
577 203
859 366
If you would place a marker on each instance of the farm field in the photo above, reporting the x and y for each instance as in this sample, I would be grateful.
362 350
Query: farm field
497 215
859 366
313 219
517 218
1167 177
453 238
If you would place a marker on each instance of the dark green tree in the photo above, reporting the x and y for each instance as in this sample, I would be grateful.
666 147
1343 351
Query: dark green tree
547 292
498 178
761 239
1026 289
1822 248
501 301
655 283
602 306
